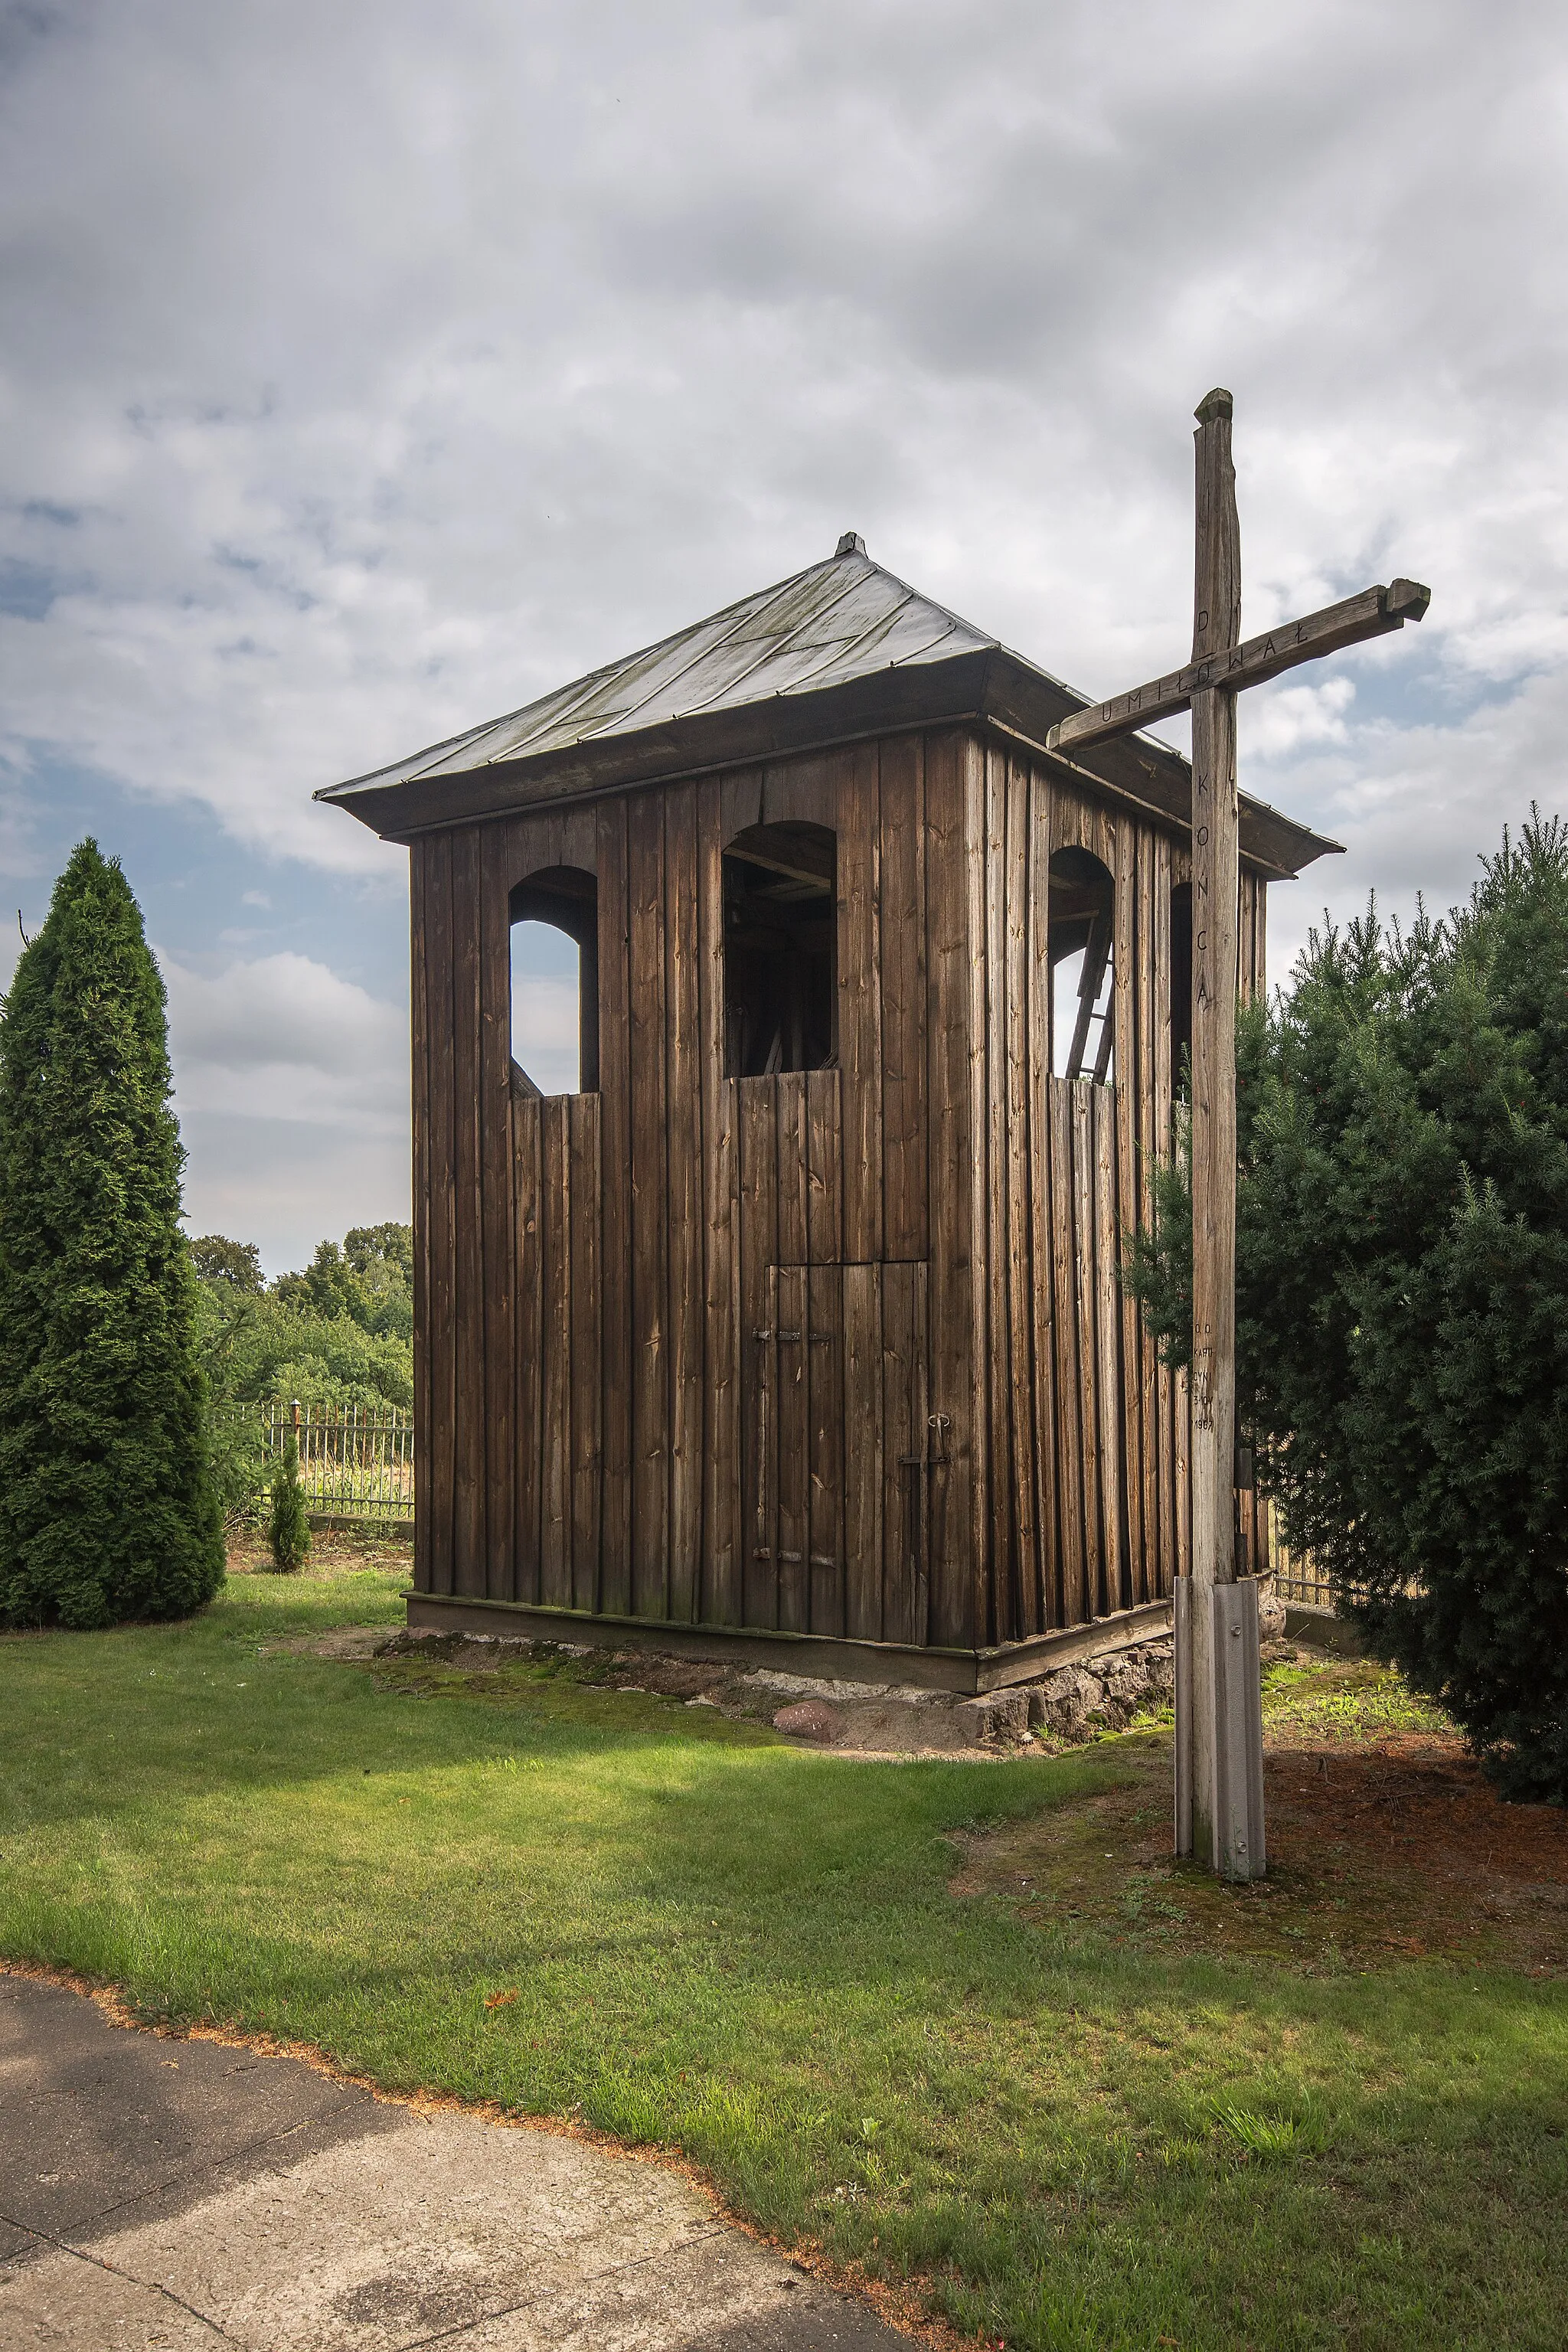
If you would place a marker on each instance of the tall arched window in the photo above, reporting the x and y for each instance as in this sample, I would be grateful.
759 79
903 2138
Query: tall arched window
556 983
779 962
1082 910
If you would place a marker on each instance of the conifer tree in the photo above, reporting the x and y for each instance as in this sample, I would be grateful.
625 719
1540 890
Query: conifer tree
108 1509
1401 1290
287 1521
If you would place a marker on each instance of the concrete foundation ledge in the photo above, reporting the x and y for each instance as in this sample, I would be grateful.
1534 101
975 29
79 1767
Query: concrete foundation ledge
1322 1629
969 1672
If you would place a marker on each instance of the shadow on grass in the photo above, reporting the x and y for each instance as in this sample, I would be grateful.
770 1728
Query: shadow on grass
578 1902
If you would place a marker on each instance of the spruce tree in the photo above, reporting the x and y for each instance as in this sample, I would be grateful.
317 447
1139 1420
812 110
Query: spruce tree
107 1508
1401 1290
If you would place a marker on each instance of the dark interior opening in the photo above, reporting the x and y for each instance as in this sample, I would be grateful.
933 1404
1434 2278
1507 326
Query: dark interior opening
568 900
781 1009
1082 911
1181 989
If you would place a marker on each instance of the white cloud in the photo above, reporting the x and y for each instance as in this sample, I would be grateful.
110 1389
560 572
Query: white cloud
286 1187
283 1038
371 415
1418 805
291 1086
1281 722
371 369
544 1031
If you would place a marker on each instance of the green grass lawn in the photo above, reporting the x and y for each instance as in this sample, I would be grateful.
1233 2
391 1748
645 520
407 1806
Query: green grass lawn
751 1953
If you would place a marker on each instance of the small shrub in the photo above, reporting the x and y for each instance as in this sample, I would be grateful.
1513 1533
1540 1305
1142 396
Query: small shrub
288 1525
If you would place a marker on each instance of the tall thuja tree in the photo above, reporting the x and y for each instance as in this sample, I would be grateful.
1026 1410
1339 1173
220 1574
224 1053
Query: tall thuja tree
1401 1290
107 1505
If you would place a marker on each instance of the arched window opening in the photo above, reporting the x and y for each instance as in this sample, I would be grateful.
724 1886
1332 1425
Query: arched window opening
1082 909
780 956
556 983
1181 989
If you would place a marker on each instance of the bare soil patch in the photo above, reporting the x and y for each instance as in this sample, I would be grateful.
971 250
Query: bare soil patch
334 1551
1384 1844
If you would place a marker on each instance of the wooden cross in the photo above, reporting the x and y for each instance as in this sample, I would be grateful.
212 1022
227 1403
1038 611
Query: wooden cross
1219 1757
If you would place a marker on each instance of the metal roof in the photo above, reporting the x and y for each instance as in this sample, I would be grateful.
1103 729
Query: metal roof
840 620
841 649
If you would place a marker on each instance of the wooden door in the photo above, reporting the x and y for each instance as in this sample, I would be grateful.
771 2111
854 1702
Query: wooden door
835 1382
794 1422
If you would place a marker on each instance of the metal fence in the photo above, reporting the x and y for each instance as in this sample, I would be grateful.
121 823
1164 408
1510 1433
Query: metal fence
355 1464
1297 1576
352 1465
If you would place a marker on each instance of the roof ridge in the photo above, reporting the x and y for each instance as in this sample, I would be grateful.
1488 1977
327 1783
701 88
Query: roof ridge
554 710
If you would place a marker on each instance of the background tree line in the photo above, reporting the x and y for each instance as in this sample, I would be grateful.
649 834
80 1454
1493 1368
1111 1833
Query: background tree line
338 1335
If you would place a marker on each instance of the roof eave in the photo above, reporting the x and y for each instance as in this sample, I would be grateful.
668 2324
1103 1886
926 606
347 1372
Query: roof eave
1142 770
911 695
988 686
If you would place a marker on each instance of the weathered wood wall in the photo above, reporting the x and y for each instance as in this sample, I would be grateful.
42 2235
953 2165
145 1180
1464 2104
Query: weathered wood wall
1088 1437
679 1343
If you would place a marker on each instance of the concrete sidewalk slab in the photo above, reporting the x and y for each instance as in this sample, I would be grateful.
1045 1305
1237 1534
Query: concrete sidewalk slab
161 2193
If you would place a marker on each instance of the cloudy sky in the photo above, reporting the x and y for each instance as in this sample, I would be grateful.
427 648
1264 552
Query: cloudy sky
369 369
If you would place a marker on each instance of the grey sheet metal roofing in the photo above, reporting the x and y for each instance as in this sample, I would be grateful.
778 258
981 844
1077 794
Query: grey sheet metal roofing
842 650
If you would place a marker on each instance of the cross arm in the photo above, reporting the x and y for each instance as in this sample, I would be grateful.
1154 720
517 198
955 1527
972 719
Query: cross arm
1373 613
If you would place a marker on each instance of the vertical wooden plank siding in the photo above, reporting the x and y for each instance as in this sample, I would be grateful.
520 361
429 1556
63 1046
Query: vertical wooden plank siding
1124 1105
906 1472
1092 1438
861 1000
867 1441
419 1060
556 1417
1115 1485
468 1500
1016 1242
650 1224
949 1135
1001 1582
937 1217
496 1215
1072 1515
792 1355
722 1583
527 1186
913 1286
1148 1583
825 1447
1255 985
1164 1379
684 1200
758 1122
789 1098
615 1196
583 1126
903 953
1181 1400
982 1529
1042 1186
824 1170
